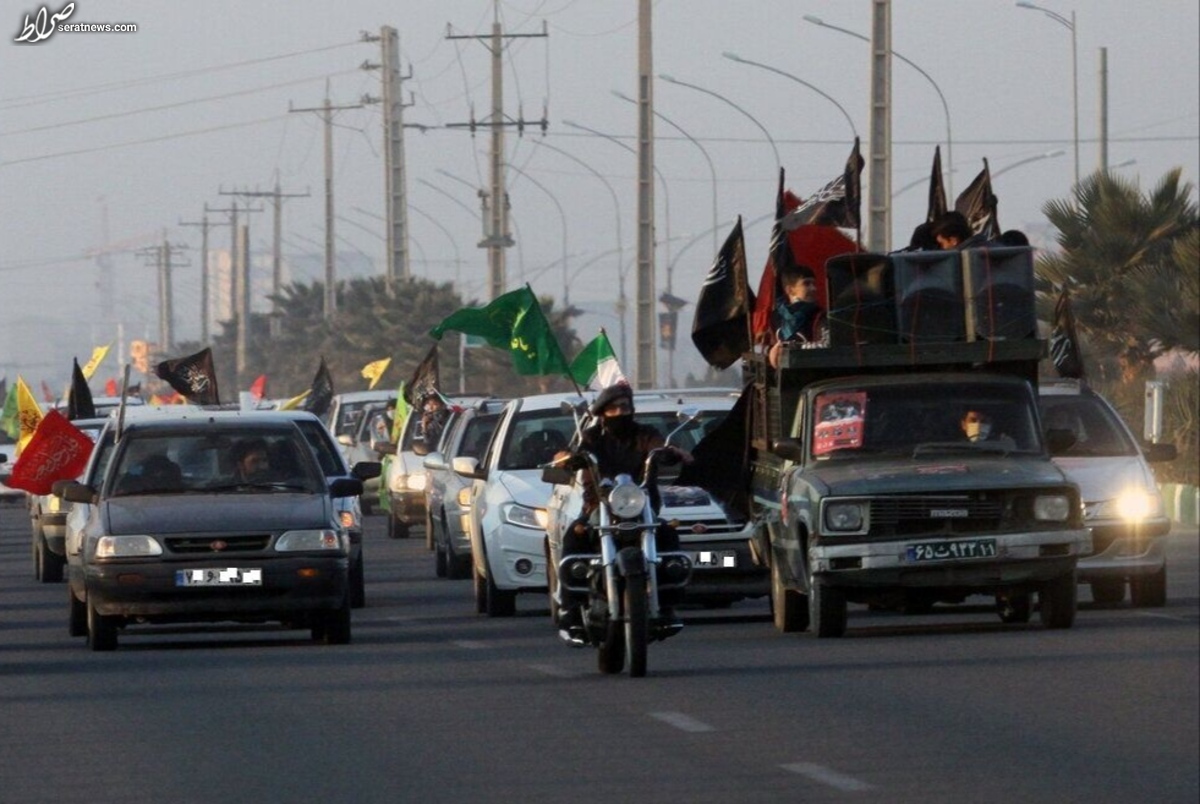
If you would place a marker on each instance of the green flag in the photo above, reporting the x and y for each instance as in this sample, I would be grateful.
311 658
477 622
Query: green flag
513 321
8 420
596 365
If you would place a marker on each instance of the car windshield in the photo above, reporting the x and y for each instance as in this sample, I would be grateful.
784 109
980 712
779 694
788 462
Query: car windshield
1098 432
182 462
916 420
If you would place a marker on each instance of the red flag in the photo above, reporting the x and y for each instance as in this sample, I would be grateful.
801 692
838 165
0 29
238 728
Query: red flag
57 451
258 388
110 387
47 394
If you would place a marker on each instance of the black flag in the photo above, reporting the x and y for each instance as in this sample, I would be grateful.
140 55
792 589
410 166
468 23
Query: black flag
79 400
978 203
838 203
721 464
937 190
1064 342
320 394
193 376
426 380
721 327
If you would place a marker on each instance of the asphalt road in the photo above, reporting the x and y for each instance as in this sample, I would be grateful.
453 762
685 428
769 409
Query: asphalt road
432 702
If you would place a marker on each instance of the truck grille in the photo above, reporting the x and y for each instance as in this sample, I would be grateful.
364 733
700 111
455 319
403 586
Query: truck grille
914 516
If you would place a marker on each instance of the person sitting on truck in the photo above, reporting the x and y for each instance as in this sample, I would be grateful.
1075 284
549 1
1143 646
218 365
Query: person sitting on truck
797 317
621 446
952 230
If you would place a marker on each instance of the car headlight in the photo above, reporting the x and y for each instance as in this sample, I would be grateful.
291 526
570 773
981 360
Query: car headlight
127 547
306 540
416 481
626 501
1052 507
844 517
348 520
1136 504
523 517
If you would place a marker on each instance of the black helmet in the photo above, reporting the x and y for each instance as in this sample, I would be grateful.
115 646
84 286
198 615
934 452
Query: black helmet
609 395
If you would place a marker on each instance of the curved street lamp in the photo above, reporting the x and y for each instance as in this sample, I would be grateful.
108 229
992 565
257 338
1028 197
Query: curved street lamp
915 66
1069 24
566 300
1048 155
826 96
672 80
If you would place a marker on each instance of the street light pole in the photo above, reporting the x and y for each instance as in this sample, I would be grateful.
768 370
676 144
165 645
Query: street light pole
927 76
566 299
1069 24
752 118
828 97
1048 155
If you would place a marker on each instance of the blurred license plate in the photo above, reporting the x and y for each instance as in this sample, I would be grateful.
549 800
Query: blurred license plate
231 576
723 559
948 551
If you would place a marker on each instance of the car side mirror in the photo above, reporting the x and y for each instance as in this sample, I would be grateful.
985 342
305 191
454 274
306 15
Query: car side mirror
345 487
435 460
1059 440
557 476
365 470
789 449
74 491
345 440
465 466
1155 453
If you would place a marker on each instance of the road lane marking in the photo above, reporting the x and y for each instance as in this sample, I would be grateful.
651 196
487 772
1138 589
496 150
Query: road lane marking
554 670
470 644
828 776
1163 616
682 722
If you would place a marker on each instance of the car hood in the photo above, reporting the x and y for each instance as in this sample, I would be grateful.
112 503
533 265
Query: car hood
526 487
1102 479
935 475
206 512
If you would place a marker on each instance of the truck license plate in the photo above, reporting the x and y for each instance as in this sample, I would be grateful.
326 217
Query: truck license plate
231 576
950 551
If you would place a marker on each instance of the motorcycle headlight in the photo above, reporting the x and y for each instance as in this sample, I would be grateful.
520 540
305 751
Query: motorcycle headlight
627 501
844 517
1052 507
1136 504
464 497
302 540
127 547
523 517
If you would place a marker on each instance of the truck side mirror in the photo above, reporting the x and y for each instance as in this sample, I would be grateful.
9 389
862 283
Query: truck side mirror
789 449
1155 453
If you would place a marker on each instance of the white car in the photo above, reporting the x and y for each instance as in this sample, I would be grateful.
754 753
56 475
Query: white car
1122 505
48 521
507 522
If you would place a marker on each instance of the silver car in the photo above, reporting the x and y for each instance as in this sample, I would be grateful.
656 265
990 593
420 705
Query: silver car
1122 505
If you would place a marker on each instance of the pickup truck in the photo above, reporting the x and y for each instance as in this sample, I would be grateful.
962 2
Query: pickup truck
866 487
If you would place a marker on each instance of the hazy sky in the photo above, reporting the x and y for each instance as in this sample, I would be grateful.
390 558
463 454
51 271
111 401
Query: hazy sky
146 128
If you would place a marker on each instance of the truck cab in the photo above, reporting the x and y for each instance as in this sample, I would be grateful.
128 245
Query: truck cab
873 480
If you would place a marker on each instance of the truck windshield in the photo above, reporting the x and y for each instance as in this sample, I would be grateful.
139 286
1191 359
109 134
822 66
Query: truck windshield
911 419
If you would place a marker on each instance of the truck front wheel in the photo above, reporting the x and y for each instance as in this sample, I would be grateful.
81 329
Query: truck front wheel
826 609
789 608
1057 601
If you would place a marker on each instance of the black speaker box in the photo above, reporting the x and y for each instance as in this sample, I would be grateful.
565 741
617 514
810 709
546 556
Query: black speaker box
862 305
999 293
929 296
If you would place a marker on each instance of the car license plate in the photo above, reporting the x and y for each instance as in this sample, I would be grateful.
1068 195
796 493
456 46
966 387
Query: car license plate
949 551
721 559
231 576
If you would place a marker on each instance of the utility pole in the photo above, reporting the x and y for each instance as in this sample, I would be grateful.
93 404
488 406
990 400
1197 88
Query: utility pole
395 172
204 225
239 269
326 110
276 197
166 317
646 370
1103 110
497 237
879 235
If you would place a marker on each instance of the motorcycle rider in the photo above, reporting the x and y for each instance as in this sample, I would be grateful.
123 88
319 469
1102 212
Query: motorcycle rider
621 446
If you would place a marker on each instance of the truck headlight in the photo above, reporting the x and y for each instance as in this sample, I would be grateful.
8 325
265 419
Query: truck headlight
302 540
627 501
523 517
127 547
1052 507
844 516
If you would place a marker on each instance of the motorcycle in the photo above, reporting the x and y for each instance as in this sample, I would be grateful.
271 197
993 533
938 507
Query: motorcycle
621 584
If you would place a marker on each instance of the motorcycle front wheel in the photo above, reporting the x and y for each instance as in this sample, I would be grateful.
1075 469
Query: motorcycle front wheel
637 626
612 650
